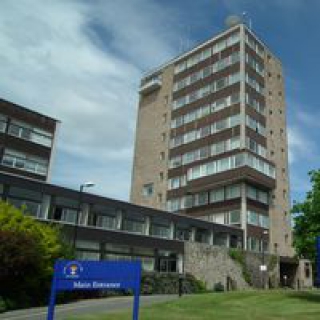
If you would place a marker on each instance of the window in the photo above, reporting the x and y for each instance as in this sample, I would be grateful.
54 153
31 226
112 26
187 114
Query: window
239 160
24 131
30 207
174 183
3 123
175 162
211 168
204 153
234 143
182 234
217 195
218 148
235 217
206 71
88 255
235 98
133 226
263 197
188 157
160 231
234 120
195 172
201 199
162 156
221 125
264 221
253 218
106 222
173 205
224 164
161 176
204 131
232 192
65 214
163 137
253 244
252 192
221 83
22 161
147 190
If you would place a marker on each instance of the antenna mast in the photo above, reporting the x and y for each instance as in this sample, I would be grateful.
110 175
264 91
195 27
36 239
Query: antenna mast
246 18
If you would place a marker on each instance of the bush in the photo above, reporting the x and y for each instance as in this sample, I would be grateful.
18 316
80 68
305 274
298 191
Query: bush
168 283
218 287
3 306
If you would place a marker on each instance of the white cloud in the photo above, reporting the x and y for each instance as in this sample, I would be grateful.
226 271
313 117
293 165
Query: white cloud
81 61
300 146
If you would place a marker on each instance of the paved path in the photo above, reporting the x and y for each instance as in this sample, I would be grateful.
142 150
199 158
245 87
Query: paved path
88 307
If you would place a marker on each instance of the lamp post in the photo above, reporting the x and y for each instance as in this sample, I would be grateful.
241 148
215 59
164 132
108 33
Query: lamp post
263 267
76 225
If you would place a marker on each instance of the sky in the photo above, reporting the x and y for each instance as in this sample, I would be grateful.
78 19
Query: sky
81 62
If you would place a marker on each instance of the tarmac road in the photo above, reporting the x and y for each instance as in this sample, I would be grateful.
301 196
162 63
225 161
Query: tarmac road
87 307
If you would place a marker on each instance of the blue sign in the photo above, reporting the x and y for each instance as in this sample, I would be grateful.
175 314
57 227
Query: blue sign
96 275
318 262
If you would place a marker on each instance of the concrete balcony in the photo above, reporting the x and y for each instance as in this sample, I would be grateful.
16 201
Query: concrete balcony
151 85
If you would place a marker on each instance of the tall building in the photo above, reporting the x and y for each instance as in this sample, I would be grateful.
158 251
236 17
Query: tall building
211 139
27 141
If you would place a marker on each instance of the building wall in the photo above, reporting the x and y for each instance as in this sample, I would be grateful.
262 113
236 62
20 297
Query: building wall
151 145
277 141
214 264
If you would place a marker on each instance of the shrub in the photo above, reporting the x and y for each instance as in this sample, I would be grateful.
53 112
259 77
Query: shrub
28 250
168 283
3 306
218 287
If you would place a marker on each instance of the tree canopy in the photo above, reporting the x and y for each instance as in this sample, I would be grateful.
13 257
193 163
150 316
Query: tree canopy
307 219
28 249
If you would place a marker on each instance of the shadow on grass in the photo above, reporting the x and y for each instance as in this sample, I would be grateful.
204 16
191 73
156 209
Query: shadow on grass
310 296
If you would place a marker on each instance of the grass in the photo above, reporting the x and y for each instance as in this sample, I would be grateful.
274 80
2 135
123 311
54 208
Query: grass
253 305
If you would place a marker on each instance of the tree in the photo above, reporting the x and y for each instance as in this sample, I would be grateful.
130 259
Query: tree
28 249
307 219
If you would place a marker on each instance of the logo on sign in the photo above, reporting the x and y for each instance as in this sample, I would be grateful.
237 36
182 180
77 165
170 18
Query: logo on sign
73 270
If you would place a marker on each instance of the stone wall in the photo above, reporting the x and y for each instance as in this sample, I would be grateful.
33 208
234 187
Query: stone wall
262 279
232 268
212 265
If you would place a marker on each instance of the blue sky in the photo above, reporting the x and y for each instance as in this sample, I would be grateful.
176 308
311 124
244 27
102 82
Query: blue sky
81 62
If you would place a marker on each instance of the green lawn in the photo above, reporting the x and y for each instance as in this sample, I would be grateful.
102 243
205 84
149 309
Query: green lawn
229 306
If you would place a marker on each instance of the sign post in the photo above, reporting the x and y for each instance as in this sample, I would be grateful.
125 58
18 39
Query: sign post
96 275
318 261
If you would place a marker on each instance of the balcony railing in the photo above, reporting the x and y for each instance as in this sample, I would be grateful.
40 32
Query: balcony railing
151 85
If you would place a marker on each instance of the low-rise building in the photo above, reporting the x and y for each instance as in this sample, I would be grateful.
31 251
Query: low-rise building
27 141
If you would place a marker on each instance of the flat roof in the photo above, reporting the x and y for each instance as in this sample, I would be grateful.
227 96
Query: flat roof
29 110
101 200
204 43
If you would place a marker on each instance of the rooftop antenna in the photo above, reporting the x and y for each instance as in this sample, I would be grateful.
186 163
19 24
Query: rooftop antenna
246 18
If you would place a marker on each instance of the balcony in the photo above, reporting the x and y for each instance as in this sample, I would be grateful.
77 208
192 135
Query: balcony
148 86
